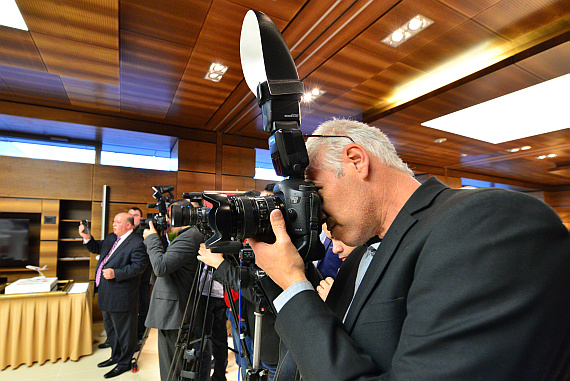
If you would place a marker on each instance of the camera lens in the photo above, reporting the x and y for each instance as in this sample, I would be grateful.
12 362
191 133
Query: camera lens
252 215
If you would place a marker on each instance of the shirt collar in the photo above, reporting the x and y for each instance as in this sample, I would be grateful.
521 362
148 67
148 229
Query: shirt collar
125 235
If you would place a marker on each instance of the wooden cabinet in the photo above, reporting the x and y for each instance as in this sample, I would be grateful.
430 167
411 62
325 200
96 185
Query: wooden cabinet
72 259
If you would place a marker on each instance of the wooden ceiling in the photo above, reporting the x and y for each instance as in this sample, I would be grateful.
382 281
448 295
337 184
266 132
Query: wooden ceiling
139 65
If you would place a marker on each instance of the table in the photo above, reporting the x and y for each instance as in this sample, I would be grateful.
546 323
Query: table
45 326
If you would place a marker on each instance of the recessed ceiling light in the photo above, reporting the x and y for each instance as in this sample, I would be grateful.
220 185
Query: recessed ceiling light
10 15
532 111
406 31
313 94
216 72
440 140
517 149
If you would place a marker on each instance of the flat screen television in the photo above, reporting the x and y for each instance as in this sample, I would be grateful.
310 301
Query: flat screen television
14 241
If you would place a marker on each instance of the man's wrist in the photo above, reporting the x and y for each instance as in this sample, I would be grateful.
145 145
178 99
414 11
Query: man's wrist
290 292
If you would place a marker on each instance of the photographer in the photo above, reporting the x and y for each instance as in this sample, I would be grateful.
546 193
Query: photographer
175 269
465 285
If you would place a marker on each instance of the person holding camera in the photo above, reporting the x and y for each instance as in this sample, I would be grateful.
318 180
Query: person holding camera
175 269
121 262
464 285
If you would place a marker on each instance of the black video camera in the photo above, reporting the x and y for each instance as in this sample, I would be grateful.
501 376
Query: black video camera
279 93
163 202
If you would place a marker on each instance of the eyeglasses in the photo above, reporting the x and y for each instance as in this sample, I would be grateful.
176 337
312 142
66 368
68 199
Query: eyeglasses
329 136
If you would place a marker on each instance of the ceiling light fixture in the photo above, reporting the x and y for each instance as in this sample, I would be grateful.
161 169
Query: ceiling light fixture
546 156
528 112
312 95
406 31
440 140
216 72
517 149
10 15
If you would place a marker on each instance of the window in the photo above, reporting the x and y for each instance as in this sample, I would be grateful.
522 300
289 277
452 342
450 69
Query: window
47 150
264 166
133 157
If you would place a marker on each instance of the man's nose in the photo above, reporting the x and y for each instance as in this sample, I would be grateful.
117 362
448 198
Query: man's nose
337 249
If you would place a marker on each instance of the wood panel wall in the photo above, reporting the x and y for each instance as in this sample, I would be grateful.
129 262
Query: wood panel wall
560 202
38 186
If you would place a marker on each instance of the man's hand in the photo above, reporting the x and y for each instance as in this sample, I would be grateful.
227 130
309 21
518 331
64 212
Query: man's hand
280 260
150 230
324 287
81 230
108 273
211 259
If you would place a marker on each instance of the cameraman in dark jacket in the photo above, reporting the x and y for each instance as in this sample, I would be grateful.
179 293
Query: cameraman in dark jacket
175 269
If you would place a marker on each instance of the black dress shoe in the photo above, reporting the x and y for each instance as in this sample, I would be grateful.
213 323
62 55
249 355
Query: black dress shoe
104 345
116 372
105 363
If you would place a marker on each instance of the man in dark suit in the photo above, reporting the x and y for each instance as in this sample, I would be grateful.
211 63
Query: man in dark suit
465 284
145 287
122 260
175 269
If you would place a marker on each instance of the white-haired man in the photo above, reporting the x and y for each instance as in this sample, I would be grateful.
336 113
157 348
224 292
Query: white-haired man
465 284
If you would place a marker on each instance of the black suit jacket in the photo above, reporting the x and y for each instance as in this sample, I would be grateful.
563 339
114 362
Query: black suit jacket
128 261
466 285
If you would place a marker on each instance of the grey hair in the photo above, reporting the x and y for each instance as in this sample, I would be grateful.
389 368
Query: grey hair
374 141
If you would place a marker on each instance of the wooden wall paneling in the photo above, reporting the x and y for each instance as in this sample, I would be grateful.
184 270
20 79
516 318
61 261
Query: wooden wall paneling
33 178
50 232
260 184
558 198
20 205
73 270
196 156
48 256
194 182
132 185
564 213
560 202
237 183
238 161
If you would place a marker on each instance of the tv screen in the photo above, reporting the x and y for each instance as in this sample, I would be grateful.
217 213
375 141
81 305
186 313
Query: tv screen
14 237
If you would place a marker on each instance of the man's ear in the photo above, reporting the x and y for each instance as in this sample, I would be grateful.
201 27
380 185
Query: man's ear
358 158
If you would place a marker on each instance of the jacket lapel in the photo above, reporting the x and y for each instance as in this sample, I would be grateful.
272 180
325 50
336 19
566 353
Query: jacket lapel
117 253
405 220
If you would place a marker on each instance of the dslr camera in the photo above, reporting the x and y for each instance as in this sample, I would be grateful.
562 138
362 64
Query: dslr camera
163 202
279 91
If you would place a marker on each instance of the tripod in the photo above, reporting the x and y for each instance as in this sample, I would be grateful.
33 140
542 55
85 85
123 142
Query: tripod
193 336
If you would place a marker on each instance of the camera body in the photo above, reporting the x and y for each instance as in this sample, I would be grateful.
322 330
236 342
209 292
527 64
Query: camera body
159 221
163 202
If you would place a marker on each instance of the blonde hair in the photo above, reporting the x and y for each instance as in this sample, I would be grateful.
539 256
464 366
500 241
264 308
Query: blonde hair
374 141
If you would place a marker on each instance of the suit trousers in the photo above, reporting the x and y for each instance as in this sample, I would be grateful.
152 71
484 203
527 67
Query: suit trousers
166 348
144 303
121 328
217 345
